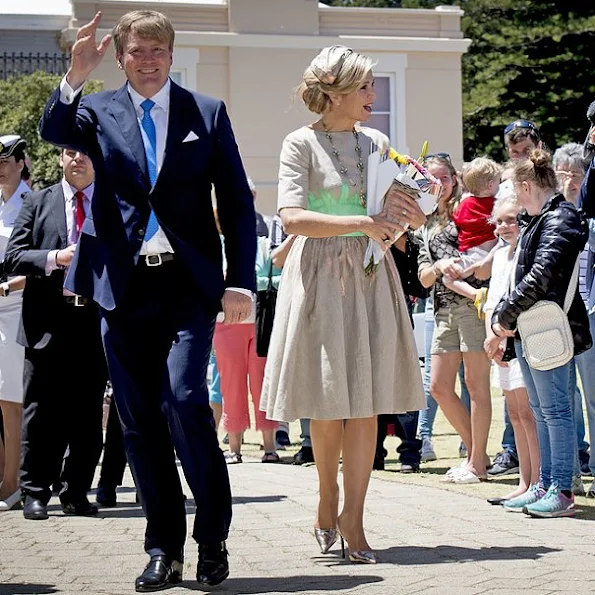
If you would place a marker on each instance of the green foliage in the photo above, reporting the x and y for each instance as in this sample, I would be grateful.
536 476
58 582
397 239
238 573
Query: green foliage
22 100
529 59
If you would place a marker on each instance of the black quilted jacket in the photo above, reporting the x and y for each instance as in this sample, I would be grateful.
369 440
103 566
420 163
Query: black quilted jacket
549 246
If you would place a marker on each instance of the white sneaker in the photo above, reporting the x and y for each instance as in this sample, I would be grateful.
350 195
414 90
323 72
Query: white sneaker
427 450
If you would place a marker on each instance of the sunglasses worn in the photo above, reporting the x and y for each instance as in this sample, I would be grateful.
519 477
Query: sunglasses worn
520 124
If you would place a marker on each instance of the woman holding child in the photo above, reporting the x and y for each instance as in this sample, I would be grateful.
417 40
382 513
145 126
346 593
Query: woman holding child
459 332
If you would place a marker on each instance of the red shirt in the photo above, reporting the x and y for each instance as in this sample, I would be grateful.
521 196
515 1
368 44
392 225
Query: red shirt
471 218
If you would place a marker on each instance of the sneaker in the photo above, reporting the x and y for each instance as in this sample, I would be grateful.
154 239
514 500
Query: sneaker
462 450
409 468
591 492
583 457
532 495
505 463
578 489
553 505
427 450
282 438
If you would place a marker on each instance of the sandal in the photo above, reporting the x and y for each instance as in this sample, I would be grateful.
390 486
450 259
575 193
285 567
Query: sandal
270 457
233 458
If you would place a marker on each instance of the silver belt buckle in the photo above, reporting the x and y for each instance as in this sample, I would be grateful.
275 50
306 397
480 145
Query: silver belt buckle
78 300
153 260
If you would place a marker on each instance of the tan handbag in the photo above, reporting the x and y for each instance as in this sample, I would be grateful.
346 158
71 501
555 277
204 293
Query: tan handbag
544 328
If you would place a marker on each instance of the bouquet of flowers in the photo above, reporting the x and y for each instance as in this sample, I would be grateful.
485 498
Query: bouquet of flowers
388 171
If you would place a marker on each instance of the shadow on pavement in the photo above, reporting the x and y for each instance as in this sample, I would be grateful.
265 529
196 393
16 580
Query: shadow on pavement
26 588
449 554
288 584
257 499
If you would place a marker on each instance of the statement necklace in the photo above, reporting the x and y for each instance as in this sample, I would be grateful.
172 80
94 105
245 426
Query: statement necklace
343 169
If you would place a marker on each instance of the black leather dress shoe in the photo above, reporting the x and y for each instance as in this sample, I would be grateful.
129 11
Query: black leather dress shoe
83 508
496 501
303 455
161 572
34 509
106 496
213 567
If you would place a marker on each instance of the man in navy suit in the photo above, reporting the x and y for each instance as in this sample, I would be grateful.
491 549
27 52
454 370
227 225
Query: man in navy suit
150 255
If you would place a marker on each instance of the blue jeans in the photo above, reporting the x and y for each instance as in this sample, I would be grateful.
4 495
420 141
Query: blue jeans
551 397
585 362
405 429
508 442
428 415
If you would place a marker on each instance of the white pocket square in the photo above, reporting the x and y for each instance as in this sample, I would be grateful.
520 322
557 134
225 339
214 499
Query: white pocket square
191 136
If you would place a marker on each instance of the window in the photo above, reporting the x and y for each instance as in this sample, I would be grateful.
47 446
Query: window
382 116
177 76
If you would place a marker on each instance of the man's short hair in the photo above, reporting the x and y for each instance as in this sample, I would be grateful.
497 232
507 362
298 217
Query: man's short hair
147 24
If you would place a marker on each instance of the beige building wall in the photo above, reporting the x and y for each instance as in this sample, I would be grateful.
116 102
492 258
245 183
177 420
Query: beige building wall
252 53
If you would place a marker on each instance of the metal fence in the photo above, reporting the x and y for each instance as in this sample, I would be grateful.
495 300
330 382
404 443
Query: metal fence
14 64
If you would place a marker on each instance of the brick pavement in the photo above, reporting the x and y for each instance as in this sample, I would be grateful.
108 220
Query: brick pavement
429 542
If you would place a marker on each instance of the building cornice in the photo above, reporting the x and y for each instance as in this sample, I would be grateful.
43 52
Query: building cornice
33 22
307 42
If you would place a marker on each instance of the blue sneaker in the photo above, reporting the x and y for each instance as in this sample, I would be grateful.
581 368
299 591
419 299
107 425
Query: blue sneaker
553 505
532 495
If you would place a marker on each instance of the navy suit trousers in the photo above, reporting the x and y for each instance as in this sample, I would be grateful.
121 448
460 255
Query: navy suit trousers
157 342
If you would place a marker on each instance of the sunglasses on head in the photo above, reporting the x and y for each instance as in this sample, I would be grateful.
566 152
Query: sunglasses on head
520 124
439 155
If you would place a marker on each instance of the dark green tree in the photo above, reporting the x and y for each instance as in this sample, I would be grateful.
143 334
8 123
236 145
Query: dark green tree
531 59
22 100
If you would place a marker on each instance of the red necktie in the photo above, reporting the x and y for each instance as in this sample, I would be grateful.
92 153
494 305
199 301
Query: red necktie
79 210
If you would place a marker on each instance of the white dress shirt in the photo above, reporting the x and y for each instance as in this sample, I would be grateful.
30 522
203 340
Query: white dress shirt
160 115
72 234
9 209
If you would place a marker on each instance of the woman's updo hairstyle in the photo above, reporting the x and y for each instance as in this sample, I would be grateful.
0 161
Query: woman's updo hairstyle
538 169
336 70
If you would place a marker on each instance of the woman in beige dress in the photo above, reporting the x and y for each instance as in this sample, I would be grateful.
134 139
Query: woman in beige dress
342 349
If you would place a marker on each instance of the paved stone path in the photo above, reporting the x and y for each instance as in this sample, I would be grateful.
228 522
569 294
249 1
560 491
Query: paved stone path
428 541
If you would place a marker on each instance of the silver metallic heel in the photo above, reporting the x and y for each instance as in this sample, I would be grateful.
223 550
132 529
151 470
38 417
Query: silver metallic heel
326 538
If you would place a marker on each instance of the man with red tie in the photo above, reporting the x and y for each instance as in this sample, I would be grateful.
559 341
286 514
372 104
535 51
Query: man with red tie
65 370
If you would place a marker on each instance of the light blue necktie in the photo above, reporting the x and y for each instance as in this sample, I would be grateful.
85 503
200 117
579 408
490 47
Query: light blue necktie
151 153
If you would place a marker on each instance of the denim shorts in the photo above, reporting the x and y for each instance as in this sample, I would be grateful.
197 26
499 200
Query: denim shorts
458 328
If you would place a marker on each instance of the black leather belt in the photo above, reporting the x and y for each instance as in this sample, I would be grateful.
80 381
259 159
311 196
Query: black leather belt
76 300
155 260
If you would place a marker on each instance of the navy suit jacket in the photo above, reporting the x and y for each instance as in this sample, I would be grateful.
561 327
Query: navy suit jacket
39 228
104 125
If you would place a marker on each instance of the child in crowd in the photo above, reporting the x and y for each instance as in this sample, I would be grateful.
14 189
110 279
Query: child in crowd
472 218
508 377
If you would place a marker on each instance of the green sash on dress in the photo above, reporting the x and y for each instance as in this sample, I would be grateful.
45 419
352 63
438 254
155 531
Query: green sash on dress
345 205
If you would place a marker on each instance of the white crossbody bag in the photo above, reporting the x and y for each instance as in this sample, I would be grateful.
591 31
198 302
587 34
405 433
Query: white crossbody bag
544 328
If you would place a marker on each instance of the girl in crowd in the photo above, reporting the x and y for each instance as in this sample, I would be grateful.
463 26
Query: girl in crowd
548 249
509 377
342 349
239 366
458 336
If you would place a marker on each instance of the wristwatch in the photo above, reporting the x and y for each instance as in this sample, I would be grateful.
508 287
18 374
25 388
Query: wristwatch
5 289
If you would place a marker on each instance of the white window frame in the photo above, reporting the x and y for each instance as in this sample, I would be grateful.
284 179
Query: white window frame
391 105
185 62
394 67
